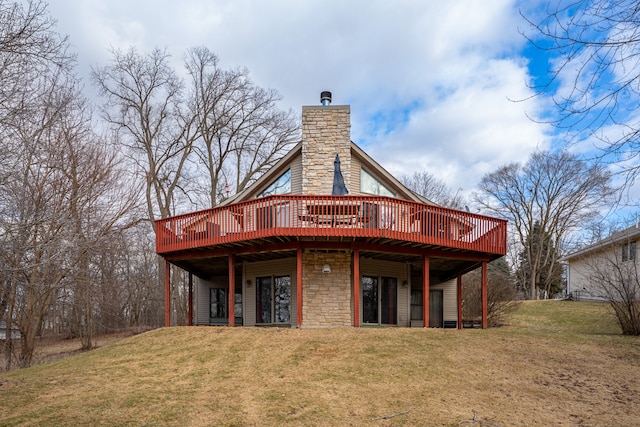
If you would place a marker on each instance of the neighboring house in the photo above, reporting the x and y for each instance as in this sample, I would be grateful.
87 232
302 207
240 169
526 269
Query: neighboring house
285 251
619 248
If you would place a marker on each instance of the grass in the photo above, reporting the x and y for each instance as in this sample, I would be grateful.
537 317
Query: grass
555 363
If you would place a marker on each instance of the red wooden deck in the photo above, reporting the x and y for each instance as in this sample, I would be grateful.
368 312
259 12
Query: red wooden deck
289 217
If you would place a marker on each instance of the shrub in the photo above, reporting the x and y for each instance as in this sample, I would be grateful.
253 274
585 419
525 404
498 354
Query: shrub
501 297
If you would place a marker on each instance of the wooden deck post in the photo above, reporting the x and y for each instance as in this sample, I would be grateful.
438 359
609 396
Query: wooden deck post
190 321
299 285
167 293
485 322
356 288
459 283
425 291
232 290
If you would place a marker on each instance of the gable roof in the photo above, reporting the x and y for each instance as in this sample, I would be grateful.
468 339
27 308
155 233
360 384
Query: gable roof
619 237
367 161
271 174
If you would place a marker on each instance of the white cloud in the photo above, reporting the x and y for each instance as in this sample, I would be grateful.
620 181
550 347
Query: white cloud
428 82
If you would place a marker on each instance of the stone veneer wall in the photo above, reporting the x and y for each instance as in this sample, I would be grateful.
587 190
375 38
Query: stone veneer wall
326 131
326 297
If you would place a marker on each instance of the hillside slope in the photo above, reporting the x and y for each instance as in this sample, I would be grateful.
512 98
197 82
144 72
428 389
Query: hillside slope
560 363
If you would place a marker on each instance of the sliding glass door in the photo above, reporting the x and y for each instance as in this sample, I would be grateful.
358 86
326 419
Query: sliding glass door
273 299
379 300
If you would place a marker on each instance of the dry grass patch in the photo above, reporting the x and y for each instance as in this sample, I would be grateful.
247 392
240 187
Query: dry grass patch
50 349
560 363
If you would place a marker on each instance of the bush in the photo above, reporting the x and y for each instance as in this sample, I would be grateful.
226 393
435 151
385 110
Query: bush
619 283
501 298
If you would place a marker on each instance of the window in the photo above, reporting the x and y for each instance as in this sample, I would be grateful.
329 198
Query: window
282 185
629 251
416 305
368 184
379 300
273 299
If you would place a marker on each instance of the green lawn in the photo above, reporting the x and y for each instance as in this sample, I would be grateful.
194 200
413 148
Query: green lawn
555 363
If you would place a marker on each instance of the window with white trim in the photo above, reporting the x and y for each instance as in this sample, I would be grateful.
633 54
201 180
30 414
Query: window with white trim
369 184
282 185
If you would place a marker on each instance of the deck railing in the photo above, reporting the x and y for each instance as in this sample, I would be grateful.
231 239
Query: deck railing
332 216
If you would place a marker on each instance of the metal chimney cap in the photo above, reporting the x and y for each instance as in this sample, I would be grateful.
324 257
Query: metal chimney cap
325 98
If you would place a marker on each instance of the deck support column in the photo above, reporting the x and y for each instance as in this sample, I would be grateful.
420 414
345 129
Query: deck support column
190 321
167 293
459 288
425 291
232 290
356 288
299 285
485 310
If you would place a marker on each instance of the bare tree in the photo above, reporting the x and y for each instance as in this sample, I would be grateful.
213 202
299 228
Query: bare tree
139 277
594 75
618 282
99 207
242 133
142 104
434 189
546 199
36 89
30 49
66 202
56 203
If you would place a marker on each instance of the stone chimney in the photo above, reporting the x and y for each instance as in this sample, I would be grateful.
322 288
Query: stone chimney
326 131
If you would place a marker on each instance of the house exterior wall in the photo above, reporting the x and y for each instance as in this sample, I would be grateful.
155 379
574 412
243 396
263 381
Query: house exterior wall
619 249
296 179
326 297
579 284
296 175
580 269
449 299
201 290
356 165
325 133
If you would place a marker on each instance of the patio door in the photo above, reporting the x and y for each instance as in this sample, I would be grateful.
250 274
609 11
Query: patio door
273 300
379 300
218 306
436 307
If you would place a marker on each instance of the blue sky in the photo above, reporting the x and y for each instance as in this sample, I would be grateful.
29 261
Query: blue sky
431 84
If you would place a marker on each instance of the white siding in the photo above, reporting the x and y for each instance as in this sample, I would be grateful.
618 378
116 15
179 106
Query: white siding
296 175
449 299
599 259
355 176
201 291
580 270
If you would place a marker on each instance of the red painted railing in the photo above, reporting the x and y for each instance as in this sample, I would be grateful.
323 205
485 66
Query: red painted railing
332 216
